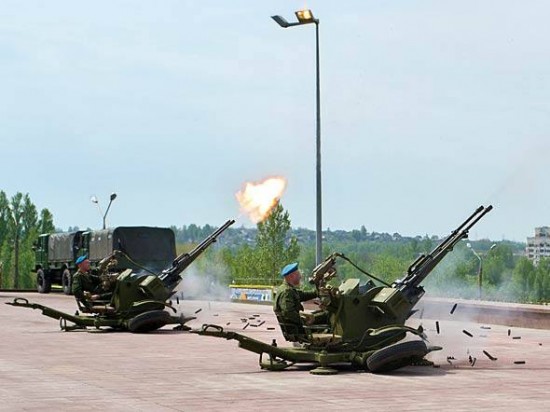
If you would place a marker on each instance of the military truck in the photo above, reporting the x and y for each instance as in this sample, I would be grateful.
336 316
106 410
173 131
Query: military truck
152 248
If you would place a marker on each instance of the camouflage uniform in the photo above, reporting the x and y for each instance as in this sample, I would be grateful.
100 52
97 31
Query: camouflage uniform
86 282
287 307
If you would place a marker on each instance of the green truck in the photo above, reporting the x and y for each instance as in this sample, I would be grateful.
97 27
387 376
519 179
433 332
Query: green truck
152 248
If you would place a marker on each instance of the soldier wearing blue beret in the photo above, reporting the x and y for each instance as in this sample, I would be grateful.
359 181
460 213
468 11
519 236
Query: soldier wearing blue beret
85 285
288 305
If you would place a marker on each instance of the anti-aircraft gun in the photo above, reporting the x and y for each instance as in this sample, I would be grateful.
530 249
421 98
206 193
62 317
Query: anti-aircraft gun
367 321
139 300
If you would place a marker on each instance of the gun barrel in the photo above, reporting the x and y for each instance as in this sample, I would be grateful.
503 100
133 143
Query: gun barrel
171 276
204 244
423 266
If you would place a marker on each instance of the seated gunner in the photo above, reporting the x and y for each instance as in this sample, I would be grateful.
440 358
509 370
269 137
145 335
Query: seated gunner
86 286
288 305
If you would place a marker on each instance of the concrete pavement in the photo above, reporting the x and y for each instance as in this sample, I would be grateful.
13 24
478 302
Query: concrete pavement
43 368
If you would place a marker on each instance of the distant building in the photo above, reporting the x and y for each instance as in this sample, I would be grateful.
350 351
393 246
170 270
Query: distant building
539 245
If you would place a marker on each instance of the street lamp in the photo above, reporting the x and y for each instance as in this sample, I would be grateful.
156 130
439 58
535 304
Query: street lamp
480 268
96 201
306 17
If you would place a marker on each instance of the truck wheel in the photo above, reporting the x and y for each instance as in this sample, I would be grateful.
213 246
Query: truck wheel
148 321
396 356
66 282
43 284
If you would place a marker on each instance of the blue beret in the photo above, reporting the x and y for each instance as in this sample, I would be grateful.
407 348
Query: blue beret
81 259
288 269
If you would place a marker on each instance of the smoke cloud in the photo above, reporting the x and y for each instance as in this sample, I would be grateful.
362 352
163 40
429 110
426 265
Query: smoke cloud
207 285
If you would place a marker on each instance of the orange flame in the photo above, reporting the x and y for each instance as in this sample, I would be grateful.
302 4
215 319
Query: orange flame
258 198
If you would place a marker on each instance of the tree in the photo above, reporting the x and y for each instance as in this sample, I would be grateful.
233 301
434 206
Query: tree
45 223
19 228
541 292
273 250
523 278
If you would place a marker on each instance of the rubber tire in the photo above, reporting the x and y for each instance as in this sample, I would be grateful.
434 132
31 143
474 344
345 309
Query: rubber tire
396 356
43 284
66 281
148 321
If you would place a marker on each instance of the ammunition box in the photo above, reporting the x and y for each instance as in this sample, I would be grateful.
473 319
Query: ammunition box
153 287
392 302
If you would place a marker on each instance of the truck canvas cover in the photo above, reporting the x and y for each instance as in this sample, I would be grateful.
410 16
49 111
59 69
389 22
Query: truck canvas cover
60 247
154 248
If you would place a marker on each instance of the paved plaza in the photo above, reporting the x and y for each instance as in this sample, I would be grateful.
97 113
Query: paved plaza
43 368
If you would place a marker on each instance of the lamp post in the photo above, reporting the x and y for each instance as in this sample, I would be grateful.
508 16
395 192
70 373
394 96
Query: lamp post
480 267
96 201
306 17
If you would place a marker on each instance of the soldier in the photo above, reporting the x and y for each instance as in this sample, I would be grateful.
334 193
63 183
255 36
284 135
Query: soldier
86 285
288 305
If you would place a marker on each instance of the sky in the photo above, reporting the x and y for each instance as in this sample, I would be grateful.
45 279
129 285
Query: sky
428 110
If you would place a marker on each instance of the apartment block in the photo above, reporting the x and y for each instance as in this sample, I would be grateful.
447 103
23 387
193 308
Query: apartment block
538 246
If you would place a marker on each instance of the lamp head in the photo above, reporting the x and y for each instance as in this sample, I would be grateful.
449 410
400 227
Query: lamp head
305 16
281 21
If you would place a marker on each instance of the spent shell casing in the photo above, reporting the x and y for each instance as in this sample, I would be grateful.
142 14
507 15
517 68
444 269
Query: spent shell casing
198 310
489 355
509 332
246 326
261 323
228 323
454 308
464 331
516 337
270 328
519 362
485 327
437 326
177 300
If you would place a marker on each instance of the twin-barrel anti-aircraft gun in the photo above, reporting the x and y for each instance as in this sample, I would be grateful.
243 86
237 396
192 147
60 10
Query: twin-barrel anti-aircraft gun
140 302
366 326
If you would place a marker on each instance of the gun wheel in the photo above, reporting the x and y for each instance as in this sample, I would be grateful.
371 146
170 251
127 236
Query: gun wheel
148 321
396 356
